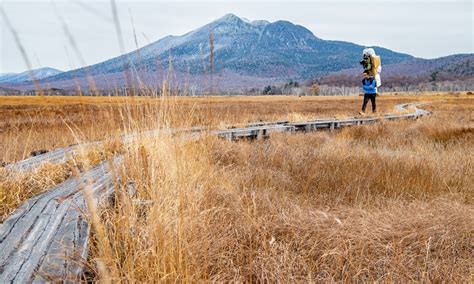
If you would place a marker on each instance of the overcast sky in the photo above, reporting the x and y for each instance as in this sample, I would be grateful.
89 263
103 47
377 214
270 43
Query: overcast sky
422 28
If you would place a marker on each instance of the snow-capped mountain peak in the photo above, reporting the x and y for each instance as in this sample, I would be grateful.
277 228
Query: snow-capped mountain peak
248 48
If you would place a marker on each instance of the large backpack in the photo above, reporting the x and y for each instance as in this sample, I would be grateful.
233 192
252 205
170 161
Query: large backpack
376 69
372 63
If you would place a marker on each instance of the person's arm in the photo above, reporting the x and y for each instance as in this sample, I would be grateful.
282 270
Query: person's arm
373 85
364 87
368 87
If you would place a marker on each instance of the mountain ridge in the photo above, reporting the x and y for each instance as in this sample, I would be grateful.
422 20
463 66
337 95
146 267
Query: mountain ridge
267 51
259 49
26 76
446 68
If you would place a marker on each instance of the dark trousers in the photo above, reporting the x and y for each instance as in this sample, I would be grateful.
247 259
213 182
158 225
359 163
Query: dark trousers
368 97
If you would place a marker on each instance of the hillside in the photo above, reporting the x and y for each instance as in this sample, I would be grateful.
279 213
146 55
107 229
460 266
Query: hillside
247 54
259 48
7 91
448 68
39 74
262 50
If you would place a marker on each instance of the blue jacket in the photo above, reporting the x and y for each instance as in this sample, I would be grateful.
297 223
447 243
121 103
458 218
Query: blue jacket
369 86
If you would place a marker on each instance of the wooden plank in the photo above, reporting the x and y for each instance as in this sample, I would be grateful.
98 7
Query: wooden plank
263 123
263 130
69 246
13 231
251 132
53 266
26 257
36 231
60 155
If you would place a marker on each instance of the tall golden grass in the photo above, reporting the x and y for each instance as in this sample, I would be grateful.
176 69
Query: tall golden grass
389 202
16 186
385 202
36 123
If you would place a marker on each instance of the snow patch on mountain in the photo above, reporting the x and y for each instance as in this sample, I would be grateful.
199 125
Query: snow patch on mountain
28 76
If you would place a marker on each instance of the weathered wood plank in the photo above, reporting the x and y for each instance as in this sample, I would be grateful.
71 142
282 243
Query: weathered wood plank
27 256
263 123
60 155
54 263
69 246
35 234
252 132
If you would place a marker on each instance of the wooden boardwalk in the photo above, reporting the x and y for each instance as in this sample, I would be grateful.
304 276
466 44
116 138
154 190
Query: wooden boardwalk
46 239
266 129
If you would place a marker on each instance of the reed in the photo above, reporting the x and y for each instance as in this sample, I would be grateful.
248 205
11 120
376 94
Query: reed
387 202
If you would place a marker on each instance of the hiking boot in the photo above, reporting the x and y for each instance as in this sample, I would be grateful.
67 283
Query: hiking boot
362 113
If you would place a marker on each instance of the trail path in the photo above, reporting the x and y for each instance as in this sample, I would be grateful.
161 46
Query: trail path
47 237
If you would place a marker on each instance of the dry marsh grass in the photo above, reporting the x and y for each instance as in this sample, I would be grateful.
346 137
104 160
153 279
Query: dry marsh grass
36 123
16 186
385 202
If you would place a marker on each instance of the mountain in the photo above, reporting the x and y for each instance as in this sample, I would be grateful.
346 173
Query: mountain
246 54
39 74
258 48
242 49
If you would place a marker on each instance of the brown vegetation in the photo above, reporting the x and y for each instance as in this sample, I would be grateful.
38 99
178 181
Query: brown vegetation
16 186
34 123
384 202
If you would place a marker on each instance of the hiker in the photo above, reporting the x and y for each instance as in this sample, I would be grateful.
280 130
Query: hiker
370 91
